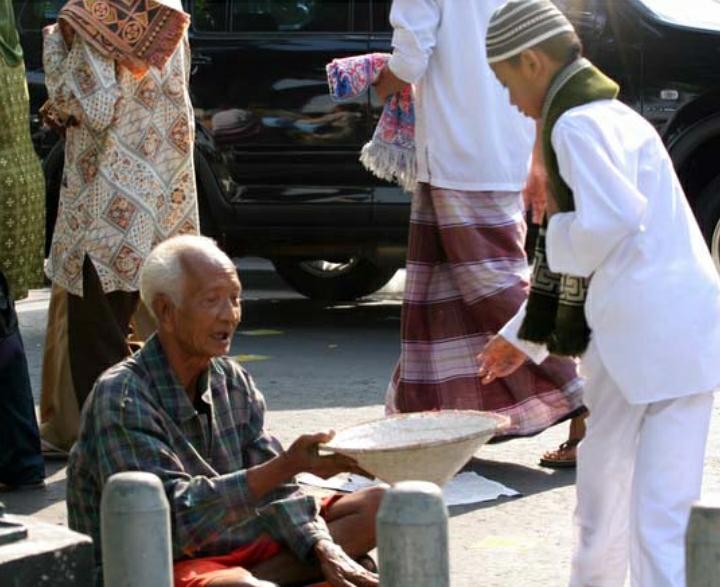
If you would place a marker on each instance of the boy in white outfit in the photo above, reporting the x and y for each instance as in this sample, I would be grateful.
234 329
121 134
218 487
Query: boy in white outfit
623 279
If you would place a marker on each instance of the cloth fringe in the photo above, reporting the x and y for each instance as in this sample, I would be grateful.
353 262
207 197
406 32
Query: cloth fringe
390 154
390 163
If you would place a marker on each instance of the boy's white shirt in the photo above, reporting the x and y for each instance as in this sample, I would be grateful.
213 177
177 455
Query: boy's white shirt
468 135
654 299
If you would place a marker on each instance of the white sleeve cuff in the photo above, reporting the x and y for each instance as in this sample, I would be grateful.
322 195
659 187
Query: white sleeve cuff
407 62
537 352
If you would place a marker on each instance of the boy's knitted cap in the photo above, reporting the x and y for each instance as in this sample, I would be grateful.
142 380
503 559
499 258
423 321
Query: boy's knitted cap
521 24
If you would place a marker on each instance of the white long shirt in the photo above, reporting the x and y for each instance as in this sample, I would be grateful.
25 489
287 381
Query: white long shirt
468 136
654 298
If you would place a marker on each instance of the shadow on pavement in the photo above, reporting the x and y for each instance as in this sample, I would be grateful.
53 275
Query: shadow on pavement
303 313
527 480
31 501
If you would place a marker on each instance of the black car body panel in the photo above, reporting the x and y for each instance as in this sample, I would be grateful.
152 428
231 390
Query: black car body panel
277 159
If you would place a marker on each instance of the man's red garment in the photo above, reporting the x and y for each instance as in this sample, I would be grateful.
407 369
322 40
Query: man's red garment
198 572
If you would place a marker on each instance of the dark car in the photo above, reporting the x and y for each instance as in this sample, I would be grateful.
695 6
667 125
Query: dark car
277 159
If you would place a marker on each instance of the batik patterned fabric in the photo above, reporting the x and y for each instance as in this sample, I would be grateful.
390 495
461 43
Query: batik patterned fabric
22 188
467 275
390 155
135 33
129 179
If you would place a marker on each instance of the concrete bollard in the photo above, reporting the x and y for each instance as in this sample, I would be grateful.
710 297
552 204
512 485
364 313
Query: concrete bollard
135 532
412 536
702 546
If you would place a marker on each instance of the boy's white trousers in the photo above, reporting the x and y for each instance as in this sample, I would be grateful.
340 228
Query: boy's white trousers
639 471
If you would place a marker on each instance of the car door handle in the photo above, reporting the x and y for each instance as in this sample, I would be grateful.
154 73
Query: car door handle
197 60
201 60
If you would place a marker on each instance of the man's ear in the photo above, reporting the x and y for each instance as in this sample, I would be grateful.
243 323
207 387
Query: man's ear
164 309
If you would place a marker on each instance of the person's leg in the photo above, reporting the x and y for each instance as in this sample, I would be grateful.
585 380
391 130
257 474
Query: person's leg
207 573
21 463
236 577
410 389
604 480
351 521
98 328
668 477
59 411
565 455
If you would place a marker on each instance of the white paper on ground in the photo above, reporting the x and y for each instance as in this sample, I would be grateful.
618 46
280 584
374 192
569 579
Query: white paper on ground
465 488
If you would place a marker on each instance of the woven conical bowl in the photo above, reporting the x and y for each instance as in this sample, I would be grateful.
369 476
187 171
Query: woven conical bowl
424 446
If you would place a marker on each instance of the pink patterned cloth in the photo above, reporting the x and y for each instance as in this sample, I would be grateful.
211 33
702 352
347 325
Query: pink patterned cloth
390 154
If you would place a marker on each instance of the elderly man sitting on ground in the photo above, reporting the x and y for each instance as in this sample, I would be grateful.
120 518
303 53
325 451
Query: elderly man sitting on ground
181 410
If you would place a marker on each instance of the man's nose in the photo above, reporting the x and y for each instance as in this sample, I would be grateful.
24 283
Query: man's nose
230 311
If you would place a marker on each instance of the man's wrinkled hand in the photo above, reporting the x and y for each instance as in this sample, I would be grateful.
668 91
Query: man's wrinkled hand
340 570
303 456
499 359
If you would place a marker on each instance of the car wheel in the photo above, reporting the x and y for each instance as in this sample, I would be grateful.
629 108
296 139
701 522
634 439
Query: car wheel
332 281
707 211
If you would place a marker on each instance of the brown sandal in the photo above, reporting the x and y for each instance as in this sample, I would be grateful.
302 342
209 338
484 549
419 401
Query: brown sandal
565 457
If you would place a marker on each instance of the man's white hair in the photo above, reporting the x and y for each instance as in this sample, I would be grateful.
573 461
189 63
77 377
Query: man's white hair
162 272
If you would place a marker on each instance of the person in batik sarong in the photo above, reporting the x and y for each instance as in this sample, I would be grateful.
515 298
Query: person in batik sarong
117 76
22 222
467 272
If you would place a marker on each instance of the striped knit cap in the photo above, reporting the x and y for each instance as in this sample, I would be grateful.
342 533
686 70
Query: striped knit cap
521 24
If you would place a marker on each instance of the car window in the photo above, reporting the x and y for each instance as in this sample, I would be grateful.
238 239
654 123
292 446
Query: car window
701 14
381 16
271 15
33 15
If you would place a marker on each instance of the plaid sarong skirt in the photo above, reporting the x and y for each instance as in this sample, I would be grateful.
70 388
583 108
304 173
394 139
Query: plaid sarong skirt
467 275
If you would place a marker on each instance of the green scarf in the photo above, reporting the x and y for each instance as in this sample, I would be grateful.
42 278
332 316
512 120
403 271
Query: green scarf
556 306
10 48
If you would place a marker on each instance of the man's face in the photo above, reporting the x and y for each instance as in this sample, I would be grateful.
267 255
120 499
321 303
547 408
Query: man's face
204 322
524 82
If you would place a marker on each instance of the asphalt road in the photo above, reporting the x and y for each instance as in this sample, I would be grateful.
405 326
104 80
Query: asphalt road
327 367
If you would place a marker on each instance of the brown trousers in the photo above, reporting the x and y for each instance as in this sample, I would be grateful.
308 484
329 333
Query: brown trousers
85 336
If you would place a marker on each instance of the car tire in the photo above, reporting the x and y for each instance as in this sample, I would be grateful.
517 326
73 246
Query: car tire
334 281
707 211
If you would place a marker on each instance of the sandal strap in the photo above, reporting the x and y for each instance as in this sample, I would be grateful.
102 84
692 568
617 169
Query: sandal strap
568 444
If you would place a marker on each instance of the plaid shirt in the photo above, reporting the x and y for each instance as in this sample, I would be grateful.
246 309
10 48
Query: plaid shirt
139 418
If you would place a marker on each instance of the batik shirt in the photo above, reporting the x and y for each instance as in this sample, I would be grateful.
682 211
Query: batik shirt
129 180
139 418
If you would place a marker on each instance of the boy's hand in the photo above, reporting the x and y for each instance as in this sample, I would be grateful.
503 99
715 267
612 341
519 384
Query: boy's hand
499 359
388 84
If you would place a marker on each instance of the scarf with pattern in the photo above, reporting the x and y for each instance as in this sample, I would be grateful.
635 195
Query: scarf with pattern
556 306
390 154
135 33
